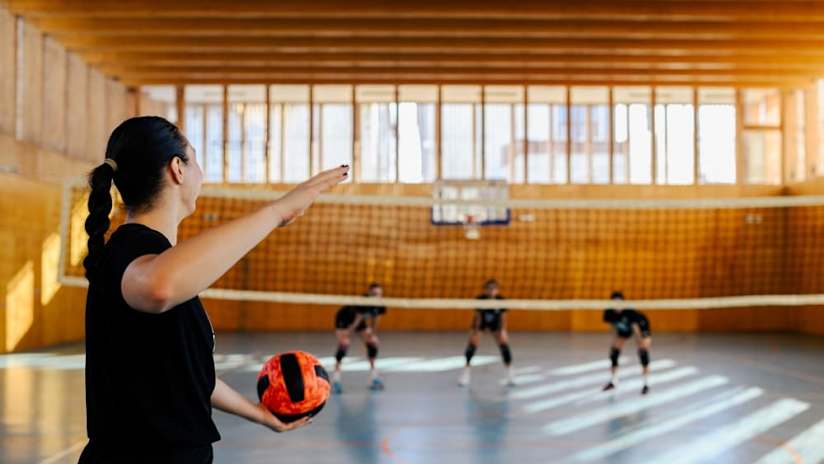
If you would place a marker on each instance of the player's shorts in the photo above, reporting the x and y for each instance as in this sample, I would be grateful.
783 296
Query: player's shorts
489 321
643 327
345 317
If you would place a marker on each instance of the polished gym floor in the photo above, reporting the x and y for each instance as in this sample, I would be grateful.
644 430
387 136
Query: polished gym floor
715 399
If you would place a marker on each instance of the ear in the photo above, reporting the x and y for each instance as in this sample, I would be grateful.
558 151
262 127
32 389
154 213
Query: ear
176 170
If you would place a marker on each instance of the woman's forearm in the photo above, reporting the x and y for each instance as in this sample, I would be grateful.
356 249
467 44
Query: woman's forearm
226 399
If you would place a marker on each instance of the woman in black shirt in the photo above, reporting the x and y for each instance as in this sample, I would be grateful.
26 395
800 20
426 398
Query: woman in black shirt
627 322
494 321
150 376
362 320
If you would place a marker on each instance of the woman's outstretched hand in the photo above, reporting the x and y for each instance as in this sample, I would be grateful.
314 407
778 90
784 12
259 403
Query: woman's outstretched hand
292 205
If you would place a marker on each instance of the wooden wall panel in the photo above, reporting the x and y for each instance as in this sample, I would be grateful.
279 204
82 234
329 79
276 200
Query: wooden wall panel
117 105
77 108
30 85
35 310
810 320
54 96
31 161
96 117
8 70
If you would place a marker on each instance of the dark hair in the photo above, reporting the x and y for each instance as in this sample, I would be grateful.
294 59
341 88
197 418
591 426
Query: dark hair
490 282
617 294
141 148
375 285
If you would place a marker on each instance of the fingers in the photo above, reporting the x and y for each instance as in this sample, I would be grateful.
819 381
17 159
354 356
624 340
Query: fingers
335 175
331 182
297 424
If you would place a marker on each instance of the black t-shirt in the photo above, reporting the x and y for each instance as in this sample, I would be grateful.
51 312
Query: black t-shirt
624 320
490 314
370 312
366 311
149 377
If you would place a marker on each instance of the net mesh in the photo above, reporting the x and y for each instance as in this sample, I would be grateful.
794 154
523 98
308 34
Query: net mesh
553 255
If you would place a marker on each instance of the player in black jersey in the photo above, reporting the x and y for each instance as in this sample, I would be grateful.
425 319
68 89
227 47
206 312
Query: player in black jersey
626 322
362 320
492 320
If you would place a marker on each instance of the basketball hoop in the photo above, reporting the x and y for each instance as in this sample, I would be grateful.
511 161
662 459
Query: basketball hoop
472 229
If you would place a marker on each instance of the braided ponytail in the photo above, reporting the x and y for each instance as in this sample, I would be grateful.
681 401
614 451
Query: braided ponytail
97 223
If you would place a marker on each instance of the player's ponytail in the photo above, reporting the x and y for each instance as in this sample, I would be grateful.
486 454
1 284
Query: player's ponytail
100 206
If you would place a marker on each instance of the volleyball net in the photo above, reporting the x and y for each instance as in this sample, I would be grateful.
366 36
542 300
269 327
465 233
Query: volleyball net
436 252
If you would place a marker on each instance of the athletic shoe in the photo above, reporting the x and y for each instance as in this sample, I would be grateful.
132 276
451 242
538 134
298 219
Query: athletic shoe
609 386
510 378
645 390
377 384
337 388
463 381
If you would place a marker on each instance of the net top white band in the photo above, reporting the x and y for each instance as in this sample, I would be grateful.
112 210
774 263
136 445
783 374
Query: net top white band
527 305
259 193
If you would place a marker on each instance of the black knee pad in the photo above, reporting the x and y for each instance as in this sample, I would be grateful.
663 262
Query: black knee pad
372 350
643 355
506 354
614 353
341 353
470 352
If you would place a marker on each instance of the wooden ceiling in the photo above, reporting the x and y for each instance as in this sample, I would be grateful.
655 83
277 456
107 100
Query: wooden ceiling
664 42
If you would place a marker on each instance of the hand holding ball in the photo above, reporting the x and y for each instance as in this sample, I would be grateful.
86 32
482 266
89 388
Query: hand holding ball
293 385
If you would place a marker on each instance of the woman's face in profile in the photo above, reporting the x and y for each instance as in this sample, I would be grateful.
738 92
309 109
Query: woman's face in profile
192 180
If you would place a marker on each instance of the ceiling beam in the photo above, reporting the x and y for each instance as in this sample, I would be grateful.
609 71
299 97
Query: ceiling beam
456 79
445 67
439 44
210 58
413 27
779 10
434 71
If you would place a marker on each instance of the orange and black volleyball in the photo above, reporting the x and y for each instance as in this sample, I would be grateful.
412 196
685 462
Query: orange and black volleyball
293 385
